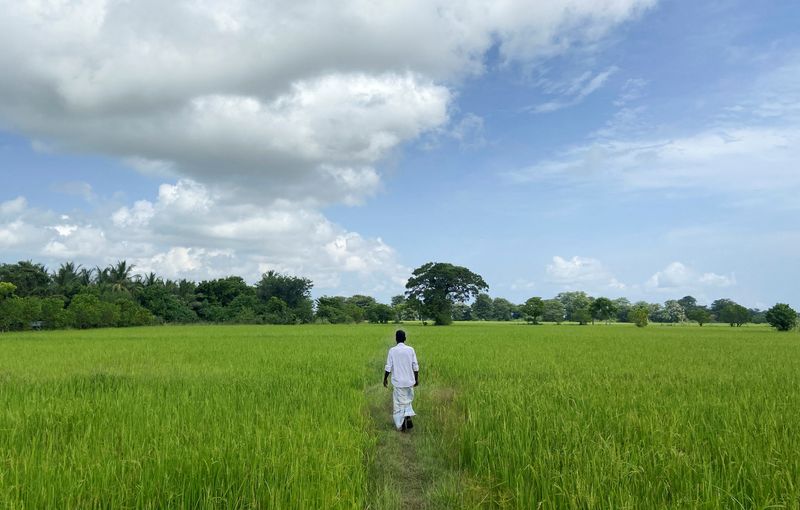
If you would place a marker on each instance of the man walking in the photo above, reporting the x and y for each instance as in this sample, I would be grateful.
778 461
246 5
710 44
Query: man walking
402 364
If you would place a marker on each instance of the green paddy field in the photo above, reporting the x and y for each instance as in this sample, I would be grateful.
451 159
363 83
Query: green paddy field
510 416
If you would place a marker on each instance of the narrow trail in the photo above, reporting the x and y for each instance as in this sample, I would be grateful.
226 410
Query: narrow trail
397 471
409 469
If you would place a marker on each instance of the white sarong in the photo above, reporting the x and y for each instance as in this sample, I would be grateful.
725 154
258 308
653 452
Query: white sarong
401 400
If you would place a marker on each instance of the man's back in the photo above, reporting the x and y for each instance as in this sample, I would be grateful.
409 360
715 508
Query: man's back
402 363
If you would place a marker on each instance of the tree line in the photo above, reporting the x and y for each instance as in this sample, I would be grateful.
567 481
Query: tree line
31 297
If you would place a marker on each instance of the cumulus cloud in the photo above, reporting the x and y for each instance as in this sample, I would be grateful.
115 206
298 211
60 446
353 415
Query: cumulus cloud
255 115
582 273
677 277
292 99
189 231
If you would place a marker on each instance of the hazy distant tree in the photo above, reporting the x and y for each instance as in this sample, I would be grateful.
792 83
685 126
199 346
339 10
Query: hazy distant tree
379 313
757 316
656 312
734 314
553 311
482 308
403 309
699 314
461 312
717 306
602 309
782 317
673 311
573 301
502 309
361 301
582 316
623 307
533 310
639 314
438 285
688 303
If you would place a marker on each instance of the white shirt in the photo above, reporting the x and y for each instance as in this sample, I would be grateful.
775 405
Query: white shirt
402 363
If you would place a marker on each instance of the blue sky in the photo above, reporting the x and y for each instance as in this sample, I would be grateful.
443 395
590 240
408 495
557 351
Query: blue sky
626 148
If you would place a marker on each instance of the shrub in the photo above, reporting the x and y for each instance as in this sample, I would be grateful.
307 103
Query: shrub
782 317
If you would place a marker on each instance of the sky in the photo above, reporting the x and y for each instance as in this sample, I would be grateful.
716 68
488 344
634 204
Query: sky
636 148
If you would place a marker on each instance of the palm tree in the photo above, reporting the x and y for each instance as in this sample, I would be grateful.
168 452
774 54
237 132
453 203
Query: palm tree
119 276
67 280
149 279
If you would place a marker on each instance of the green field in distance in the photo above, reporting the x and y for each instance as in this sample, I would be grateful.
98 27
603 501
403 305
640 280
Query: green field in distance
510 416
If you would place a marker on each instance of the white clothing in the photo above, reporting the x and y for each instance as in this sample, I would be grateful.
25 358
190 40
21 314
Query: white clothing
401 405
402 363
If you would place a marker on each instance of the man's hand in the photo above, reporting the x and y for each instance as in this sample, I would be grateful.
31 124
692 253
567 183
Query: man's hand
385 385
385 379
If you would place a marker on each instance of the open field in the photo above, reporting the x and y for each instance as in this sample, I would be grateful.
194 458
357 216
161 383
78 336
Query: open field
295 417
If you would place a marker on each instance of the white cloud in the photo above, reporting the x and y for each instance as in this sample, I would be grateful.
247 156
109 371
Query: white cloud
191 232
255 114
296 100
757 162
137 216
582 273
576 91
677 277
75 188
13 206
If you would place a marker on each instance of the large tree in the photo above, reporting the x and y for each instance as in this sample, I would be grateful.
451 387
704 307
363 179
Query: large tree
295 291
574 301
503 309
734 314
481 309
437 285
782 317
533 309
553 311
602 309
699 314
30 279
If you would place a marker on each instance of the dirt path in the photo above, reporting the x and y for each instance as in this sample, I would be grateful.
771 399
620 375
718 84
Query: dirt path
397 472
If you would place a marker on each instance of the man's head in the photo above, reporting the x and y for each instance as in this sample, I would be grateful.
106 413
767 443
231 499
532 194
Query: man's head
400 336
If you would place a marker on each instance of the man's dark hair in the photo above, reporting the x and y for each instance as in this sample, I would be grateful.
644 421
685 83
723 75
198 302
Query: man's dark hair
400 336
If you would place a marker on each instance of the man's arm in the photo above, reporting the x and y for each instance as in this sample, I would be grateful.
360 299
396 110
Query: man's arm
388 368
416 377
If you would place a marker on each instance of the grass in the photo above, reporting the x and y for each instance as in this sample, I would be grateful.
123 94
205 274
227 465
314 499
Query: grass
510 416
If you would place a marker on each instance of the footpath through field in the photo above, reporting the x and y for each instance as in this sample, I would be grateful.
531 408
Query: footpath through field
408 469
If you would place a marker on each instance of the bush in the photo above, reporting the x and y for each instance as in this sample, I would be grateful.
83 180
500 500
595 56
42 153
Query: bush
379 313
582 316
639 316
86 311
782 317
